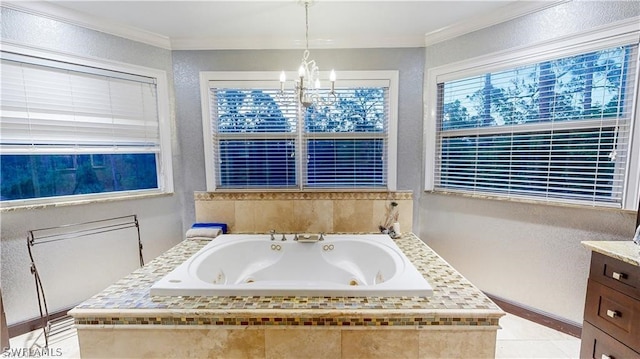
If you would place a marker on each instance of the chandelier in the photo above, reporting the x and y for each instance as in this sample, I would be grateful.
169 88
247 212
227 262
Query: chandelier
307 85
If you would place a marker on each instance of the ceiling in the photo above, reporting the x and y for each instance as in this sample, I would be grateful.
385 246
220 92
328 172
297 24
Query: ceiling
280 24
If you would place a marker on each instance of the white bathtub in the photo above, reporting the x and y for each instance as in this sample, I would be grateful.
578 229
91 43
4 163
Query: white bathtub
340 265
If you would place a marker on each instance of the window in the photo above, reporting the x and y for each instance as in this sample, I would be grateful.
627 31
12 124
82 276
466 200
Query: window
70 129
346 142
557 129
255 134
260 138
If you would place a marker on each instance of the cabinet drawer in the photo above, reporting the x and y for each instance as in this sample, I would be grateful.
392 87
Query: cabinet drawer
616 274
598 345
613 312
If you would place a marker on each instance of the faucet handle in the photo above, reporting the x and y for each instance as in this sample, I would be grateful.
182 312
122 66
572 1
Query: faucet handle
321 236
272 233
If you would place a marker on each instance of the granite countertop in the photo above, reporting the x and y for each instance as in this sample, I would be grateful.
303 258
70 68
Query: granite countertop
455 300
626 251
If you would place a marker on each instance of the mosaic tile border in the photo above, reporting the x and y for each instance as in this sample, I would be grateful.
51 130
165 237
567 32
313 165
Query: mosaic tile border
239 196
455 302
347 321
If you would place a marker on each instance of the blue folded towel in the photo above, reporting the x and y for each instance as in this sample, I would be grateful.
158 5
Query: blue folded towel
223 226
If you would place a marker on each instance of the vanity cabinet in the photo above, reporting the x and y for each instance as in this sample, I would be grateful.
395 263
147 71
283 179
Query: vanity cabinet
611 328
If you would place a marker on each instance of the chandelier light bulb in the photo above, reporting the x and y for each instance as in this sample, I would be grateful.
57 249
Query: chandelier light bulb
307 86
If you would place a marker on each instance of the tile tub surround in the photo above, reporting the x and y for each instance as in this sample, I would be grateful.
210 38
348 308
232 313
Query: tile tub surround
329 212
116 321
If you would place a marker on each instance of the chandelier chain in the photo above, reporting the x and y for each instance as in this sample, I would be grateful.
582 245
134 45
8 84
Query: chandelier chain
306 17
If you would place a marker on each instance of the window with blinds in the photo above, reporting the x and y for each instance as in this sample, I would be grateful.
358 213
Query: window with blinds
68 129
557 130
255 132
263 139
345 143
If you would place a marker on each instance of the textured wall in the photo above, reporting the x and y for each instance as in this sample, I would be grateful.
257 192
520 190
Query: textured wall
188 64
74 270
526 253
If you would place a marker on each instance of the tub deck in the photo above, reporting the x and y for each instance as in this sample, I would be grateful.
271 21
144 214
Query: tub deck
116 321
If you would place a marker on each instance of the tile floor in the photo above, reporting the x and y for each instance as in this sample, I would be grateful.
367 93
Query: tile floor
518 338
62 344
521 338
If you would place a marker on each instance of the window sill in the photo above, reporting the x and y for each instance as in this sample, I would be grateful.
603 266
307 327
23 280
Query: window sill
529 201
76 202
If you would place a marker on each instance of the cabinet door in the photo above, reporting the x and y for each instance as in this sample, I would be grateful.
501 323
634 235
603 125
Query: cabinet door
616 274
598 345
613 312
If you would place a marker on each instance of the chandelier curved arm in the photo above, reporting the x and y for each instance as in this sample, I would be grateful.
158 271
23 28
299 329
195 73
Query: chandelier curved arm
308 83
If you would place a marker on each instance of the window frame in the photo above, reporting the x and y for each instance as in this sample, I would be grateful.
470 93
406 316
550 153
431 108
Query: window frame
611 35
164 164
349 78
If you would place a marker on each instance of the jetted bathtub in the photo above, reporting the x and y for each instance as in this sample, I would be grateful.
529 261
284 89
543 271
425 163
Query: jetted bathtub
339 265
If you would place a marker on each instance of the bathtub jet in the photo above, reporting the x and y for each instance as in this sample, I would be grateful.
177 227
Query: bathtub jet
253 265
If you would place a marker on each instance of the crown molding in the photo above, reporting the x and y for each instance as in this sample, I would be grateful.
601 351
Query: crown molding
58 13
506 13
52 11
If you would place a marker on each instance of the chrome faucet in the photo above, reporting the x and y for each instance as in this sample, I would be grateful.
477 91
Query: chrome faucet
309 238
304 238
272 233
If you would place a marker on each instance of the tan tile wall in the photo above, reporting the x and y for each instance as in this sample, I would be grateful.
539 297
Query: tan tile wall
285 343
329 212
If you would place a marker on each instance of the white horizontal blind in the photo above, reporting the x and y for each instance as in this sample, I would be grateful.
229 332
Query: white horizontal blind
263 138
50 107
557 130
255 136
346 142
